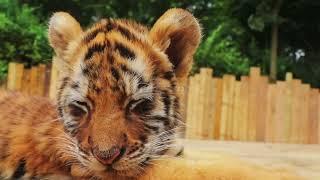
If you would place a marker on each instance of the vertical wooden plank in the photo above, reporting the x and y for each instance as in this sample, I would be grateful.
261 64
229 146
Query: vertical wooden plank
15 73
218 93
34 81
244 105
236 112
196 108
313 116
227 106
288 107
25 88
189 121
206 74
253 95
305 116
41 79
271 112
224 108
232 82
280 113
54 78
261 105
296 111
209 107
201 103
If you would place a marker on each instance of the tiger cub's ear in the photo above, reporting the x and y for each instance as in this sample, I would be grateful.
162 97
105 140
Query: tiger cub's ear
63 28
178 34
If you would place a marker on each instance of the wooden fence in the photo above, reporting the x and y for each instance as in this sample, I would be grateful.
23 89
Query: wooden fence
252 109
224 108
38 80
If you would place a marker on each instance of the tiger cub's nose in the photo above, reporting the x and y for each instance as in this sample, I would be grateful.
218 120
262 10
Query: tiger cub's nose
107 157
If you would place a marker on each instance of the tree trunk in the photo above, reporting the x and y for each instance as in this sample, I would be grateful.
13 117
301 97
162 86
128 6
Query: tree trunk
274 42
274 53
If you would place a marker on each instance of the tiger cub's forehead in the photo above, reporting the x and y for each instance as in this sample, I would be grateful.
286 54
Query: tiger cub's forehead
117 55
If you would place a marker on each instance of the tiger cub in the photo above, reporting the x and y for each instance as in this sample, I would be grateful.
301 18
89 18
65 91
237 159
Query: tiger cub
118 106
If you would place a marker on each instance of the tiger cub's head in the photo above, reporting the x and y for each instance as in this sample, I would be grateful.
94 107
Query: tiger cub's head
121 90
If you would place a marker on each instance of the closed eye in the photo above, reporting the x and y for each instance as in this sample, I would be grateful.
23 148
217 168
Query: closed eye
140 106
78 109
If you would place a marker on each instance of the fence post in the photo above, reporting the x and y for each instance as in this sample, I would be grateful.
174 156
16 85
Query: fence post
271 109
15 73
296 111
305 116
201 102
244 101
279 121
34 80
206 86
217 108
288 107
227 107
236 112
313 116
190 124
196 107
41 79
261 104
253 96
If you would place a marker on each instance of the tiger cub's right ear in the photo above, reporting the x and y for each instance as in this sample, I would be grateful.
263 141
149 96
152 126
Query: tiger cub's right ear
63 28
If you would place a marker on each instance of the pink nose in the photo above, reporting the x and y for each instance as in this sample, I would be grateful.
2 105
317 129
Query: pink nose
107 157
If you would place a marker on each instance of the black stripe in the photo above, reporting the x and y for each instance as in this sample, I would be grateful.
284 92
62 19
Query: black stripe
168 75
93 49
85 71
75 85
115 73
125 51
20 171
124 68
90 36
143 138
125 32
91 70
153 128
95 88
64 83
109 25
166 101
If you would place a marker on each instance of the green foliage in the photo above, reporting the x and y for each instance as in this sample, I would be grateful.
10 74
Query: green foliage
222 52
22 35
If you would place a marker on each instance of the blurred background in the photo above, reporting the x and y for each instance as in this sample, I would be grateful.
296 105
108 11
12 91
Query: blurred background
238 34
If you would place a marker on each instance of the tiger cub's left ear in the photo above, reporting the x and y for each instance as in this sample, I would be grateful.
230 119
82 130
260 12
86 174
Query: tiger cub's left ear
178 34
63 28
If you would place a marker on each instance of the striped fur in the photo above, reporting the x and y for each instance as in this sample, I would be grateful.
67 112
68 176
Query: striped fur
120 89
